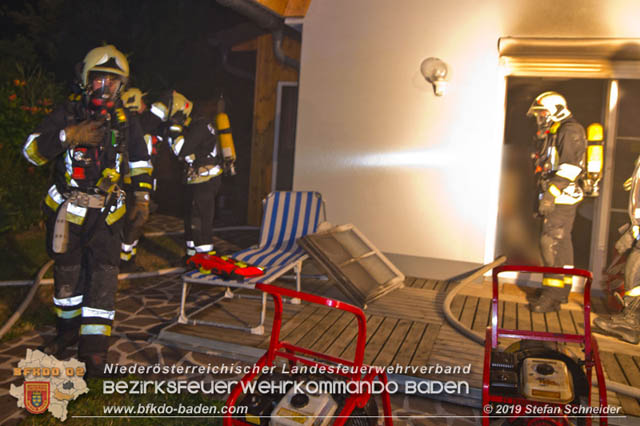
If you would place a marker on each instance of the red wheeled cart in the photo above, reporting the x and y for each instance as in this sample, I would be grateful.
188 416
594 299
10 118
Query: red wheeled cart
534 381
353 405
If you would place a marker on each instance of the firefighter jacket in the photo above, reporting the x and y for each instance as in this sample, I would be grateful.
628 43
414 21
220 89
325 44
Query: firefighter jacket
84 175
152 128
199 148
565 162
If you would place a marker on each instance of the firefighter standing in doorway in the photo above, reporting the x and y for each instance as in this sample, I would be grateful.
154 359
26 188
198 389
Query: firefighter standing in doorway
560 162
197 145
92 141
626 324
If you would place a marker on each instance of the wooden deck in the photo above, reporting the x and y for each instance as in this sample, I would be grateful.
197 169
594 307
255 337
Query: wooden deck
407 328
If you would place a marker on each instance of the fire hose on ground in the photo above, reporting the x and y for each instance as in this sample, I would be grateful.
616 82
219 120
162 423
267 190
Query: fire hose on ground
479 338
39 281
43 270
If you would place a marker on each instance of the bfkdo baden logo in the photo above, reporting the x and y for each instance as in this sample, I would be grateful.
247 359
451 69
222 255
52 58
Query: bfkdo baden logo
36 396
49 384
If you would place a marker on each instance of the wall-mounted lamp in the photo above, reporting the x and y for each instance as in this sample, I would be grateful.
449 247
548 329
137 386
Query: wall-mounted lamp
436 72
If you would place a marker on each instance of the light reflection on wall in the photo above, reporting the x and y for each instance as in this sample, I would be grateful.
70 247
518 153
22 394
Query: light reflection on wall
428 158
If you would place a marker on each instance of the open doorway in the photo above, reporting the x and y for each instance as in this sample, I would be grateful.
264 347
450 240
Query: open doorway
518 230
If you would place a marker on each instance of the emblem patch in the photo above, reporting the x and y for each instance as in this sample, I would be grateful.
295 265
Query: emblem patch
36 397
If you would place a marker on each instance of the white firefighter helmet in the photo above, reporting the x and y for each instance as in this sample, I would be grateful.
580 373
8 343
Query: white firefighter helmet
106 59
132 99
105 71
180 106
549 108
173 106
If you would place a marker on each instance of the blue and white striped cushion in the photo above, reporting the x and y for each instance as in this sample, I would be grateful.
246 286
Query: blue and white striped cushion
287 217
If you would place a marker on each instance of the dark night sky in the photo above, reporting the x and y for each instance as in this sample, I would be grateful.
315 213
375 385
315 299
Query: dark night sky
166 41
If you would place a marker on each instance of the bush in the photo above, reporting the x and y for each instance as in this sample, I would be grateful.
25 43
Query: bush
25 98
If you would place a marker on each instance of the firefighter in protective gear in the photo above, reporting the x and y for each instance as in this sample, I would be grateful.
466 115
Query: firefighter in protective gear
196 145
92 140
560 162
626 324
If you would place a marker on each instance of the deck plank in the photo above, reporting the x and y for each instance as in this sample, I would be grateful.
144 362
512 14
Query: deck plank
629 404
345 338
578 320
333 332
432 285
306 326
439 285
410 344
509 317
630 369
524 317
425 347
378 340
291 324
538 322
456 306
566 322
419 283
482 315
372 326
320 328
393 343
553 322
469 311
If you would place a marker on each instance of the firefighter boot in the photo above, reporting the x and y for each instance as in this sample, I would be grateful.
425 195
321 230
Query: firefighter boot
550 300
624 325
130 266
66 336
92 350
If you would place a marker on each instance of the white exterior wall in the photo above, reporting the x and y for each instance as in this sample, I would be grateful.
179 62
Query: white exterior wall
419 174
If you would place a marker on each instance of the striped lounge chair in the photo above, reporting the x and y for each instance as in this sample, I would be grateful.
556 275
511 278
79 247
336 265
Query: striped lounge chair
287 216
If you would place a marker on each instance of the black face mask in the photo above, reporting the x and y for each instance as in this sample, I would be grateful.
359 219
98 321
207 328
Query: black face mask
103 91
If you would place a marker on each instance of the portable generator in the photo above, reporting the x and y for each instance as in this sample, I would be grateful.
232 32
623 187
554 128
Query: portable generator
295 404
298 406
541 379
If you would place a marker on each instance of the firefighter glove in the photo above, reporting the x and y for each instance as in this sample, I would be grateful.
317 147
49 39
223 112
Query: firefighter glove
139 214
85 133
547 204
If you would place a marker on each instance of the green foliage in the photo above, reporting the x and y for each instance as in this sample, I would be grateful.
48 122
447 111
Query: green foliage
26 96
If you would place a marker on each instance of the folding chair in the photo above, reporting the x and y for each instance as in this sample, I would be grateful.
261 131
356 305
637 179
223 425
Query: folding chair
287 216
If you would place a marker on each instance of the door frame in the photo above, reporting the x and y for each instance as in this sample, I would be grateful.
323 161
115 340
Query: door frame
577 58
276 131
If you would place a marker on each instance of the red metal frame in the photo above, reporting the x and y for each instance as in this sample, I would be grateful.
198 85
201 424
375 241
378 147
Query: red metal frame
592 357
278 348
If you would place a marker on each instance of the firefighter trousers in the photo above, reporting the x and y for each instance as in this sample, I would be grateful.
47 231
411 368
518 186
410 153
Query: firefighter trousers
132 231
556 246
199 213
85 281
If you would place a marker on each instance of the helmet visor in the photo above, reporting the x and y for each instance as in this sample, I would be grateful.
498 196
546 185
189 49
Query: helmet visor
104 86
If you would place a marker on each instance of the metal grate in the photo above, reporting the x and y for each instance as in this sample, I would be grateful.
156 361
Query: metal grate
363 273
